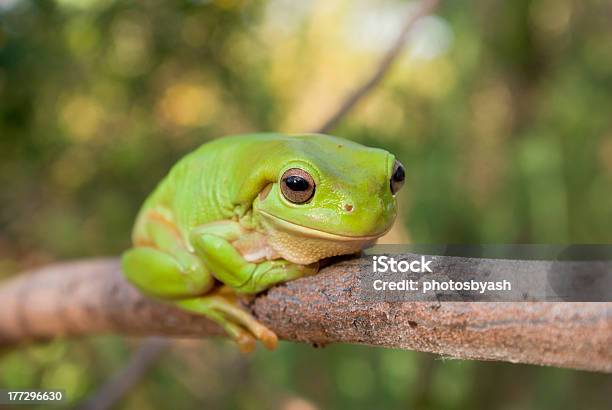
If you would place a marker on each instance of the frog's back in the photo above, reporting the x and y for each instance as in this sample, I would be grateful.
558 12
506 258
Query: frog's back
193 193
218 180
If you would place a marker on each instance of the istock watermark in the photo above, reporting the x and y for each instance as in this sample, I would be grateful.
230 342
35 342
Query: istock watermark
389 264
499 273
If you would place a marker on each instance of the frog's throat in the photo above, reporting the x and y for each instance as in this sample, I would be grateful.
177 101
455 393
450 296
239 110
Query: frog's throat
284 225
303 245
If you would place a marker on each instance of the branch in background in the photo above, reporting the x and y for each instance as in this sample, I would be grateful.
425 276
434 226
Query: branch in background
92 297
125 379
385 64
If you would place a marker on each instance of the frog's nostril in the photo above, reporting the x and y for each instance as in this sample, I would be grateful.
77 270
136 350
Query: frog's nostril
348 208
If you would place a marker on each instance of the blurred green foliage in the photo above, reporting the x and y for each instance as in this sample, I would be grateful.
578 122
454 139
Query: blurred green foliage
501 112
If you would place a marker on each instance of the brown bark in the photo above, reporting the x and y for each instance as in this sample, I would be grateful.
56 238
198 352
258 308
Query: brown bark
91 297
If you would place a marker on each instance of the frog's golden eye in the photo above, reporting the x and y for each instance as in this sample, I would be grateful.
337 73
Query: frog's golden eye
397 177
297 185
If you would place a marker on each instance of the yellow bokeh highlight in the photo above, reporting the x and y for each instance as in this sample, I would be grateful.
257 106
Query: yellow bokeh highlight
187 105
430 79
81 116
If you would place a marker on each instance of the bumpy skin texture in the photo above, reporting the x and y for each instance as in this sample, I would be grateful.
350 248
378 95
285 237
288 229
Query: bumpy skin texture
224 222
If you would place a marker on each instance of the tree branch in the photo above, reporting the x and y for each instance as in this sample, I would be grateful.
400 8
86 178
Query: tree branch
92 297
384 65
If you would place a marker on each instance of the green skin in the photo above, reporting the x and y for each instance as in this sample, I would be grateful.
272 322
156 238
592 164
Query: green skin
219 224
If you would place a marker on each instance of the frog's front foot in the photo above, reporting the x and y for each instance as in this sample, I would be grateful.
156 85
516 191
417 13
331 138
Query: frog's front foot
223 308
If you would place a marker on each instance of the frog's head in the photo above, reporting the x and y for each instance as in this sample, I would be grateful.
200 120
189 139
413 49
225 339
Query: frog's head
329 196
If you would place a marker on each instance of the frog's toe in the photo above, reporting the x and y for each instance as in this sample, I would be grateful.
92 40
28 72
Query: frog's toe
246 342
228 306
268 338
244 339
239 324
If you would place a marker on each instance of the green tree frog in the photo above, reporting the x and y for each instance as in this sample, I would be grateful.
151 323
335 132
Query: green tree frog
243 213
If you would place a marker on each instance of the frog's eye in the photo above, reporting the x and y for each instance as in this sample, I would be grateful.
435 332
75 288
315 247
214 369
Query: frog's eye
297 185
397 177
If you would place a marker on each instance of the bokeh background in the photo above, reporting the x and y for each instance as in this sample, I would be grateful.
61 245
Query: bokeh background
500 110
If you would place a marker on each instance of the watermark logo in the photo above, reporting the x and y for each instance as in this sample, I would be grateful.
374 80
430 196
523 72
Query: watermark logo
499 273
385 263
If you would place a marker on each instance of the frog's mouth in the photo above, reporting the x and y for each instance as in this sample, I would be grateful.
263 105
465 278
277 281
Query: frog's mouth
291 227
